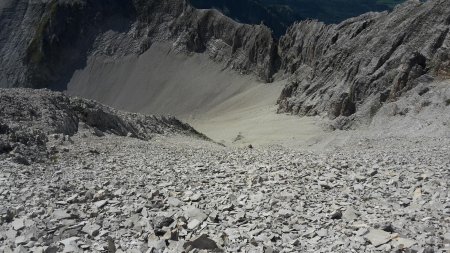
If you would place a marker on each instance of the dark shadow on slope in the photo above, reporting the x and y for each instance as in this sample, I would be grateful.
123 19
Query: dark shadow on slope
66 35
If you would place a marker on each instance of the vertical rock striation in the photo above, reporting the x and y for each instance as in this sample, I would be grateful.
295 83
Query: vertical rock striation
43 43
343 71
364 61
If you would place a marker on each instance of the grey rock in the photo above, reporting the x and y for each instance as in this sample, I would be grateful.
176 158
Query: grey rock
60 214
194 223
248 48
201 242
389 59
195 213
378 237
71 245
402 243
251 200
322 232
350 214
63 114
446 237
18 224
111 245
91 229
174 202
336 215
157 246
21 160
195 197
20 249
101 203
162 221
20 240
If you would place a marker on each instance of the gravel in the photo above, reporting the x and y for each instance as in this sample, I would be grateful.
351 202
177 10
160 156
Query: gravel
177 193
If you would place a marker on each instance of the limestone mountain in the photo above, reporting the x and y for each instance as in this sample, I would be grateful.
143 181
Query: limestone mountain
359 64
279 15
345 70
56 37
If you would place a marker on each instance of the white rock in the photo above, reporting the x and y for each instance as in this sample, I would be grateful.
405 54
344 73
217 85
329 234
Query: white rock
378 237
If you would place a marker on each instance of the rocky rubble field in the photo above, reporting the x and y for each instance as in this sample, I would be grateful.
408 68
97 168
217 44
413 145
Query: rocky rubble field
181 194
77 176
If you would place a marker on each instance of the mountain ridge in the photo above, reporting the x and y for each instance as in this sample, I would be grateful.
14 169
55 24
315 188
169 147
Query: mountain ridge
342 71
380 55
279 15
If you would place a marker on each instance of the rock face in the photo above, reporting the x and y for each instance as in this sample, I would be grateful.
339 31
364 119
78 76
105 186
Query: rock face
279 15
364 61
56 37
344 71
28 118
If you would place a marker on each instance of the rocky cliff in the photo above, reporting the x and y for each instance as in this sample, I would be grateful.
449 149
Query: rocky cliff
343 71
43 43
359 64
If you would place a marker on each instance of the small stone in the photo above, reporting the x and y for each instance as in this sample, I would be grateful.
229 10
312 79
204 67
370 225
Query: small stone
228 207
20 240
402 243
372 172
417 195
156 246
9 234
349 214
358 187
193 224
18 224
72 198
69 240
51 249
70 245
101 203
97 132
336 215
171 235
19 159
446 237
196 197
111 245
101 194
174 202
202 242
322 232
20 249
162 221
214 216
91 229
378 237
325 185
8 216
118 192
195 213
60 214
5 249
